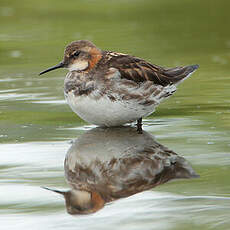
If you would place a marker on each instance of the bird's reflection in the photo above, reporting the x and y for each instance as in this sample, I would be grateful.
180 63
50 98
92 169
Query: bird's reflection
104 165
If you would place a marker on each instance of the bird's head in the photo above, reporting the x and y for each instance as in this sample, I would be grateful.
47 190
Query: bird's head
79 55
80 201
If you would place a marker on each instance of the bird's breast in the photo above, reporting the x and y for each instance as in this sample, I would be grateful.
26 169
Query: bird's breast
112 101
102 111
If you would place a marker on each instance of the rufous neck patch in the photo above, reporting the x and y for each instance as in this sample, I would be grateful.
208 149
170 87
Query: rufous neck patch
95 57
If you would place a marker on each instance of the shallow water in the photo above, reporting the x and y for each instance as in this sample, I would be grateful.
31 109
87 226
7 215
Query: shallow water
36 126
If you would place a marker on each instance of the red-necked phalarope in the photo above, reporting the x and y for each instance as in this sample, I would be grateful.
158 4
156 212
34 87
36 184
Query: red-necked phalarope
110 89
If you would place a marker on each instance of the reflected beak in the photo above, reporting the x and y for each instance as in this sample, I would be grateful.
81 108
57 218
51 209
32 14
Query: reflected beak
54 190
60 65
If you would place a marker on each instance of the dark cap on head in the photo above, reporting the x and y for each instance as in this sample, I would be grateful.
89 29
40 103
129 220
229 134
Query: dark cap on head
78 45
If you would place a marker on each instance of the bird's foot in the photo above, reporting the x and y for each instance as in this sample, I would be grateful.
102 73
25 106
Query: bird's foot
139 126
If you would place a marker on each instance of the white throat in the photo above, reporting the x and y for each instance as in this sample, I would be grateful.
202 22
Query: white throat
79 65
80 197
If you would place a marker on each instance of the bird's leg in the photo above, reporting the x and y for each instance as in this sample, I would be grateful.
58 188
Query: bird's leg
139 125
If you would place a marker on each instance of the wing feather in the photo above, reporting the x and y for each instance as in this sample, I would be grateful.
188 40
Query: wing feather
139 70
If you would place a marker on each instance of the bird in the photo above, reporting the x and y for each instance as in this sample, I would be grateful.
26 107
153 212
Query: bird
108 88
106 164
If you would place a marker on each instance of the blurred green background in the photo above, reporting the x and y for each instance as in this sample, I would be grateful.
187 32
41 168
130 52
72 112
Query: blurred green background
194 122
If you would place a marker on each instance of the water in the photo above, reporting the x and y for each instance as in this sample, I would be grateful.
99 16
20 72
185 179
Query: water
36 126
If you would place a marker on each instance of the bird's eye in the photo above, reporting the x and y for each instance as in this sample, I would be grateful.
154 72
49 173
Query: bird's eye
76 54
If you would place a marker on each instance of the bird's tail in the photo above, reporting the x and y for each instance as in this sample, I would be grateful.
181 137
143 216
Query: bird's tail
183 169
178 74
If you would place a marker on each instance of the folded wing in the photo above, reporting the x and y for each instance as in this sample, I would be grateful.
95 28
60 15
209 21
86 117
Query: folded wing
138 70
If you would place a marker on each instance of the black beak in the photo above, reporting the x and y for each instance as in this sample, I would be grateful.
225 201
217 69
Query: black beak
54 190
60 65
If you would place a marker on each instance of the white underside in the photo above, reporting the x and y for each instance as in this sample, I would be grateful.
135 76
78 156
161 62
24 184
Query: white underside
104 112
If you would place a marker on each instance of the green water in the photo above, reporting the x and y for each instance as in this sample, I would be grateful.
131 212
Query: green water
36 125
